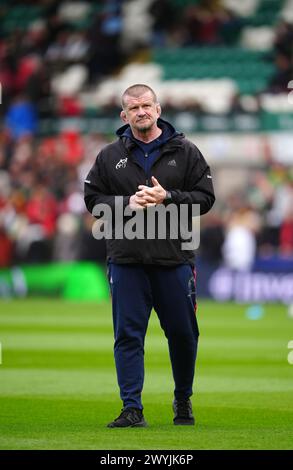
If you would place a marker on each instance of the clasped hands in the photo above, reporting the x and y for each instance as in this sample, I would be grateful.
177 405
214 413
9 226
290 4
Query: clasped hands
147 196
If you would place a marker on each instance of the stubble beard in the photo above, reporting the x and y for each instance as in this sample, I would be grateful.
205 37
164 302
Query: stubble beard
144 127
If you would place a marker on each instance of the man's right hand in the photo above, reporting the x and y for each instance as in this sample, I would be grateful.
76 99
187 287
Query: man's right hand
138 203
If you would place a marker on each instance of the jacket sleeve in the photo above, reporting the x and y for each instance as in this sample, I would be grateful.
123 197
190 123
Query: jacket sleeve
198 184
96 188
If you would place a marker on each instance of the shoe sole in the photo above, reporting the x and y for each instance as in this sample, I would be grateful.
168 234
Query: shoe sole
184 423
136 425
139 425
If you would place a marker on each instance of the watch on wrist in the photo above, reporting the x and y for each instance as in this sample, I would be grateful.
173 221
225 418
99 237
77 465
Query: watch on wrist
168 197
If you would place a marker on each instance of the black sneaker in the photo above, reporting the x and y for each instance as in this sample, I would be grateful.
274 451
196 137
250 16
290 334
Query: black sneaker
130 417
183 412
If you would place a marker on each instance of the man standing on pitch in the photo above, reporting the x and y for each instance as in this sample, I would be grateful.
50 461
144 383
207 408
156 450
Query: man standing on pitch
148 165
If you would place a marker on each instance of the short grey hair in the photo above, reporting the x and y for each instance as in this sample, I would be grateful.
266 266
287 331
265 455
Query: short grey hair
136 91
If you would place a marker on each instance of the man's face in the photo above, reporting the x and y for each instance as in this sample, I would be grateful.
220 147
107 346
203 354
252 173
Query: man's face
140 113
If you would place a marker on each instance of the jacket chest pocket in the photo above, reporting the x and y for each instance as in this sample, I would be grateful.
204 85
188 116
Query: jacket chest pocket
171 175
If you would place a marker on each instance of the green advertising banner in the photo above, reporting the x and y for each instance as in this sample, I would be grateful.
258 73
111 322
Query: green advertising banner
79 281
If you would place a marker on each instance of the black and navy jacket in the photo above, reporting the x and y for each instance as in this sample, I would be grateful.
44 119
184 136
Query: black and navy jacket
179 167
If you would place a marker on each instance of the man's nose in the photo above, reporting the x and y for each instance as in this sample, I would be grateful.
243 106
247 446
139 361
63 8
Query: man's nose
141 112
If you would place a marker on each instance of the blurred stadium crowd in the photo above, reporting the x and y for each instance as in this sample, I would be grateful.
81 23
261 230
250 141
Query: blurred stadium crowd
63 66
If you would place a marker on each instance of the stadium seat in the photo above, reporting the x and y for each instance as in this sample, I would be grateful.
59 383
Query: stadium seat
244 66
71 81
73 11
149 72
276 103
287 11
244 8
261 38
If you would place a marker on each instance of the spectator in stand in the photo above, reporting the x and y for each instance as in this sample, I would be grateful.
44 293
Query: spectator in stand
90 249
105 53
38 90
66 240
210 23
284 39
212 238
55 25
283 56
21 118
56 50
7 80
6 249
201 25
42 210
286 235
6 243
280 79
76 47
164 20
239 248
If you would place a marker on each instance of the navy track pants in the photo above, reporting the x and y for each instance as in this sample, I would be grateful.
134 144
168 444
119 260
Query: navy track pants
135 290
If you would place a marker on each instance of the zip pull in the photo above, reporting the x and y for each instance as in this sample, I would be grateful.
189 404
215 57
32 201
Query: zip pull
147 181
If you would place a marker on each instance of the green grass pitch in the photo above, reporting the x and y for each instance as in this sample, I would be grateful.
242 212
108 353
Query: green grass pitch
58 382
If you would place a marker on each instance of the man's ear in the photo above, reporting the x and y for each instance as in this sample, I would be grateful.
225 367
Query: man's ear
159 110
123 116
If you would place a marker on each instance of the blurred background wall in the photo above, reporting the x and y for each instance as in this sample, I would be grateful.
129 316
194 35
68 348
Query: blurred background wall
223 72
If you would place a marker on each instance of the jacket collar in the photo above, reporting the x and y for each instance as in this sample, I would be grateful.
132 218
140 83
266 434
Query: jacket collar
175 138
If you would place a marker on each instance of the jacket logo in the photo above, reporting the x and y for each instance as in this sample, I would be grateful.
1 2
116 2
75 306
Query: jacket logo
122 163
172 163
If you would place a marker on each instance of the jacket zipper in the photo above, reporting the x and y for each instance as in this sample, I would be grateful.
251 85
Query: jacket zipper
167 150
148 176
147 182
